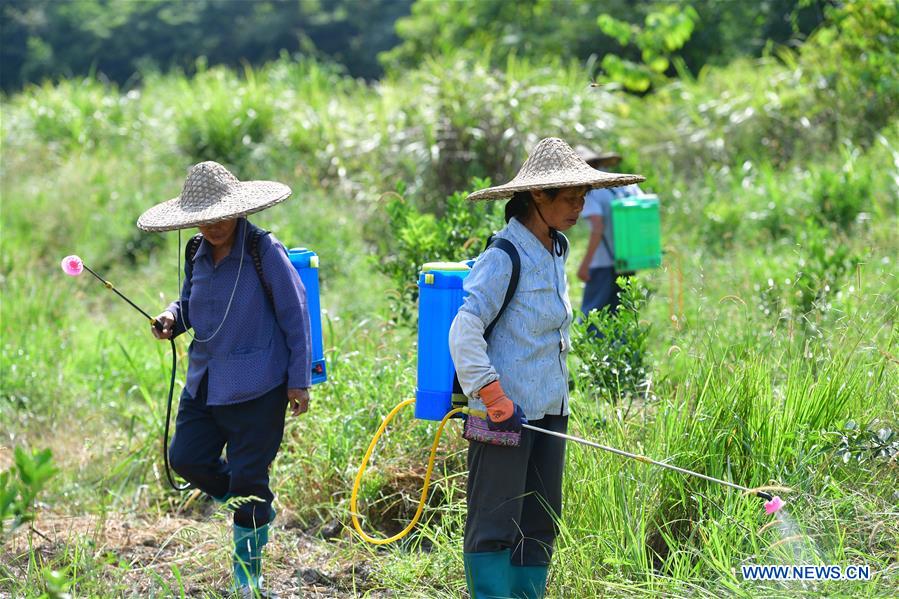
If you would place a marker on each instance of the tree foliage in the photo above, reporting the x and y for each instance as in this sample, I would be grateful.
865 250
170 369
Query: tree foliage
570 29
51 39
664 32
118 38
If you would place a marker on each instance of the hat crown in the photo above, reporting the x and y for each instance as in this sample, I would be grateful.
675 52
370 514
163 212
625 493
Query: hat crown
550 157
206 183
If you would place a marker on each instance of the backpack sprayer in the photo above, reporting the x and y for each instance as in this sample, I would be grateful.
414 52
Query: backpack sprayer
438 398
305 262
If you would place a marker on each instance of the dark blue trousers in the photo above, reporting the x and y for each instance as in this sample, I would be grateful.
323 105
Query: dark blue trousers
601 290
251 431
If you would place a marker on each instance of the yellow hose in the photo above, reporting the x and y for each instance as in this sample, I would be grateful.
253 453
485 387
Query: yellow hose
427 483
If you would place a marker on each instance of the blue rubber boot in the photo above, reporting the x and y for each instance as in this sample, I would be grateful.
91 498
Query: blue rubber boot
487 574
247 557
528 582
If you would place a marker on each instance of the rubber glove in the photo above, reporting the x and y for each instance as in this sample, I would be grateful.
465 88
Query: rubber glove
502 414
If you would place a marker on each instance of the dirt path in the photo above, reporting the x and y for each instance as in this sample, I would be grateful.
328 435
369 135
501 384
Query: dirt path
138 557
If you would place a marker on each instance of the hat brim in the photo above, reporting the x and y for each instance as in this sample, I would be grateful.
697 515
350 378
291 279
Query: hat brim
597 180
245 198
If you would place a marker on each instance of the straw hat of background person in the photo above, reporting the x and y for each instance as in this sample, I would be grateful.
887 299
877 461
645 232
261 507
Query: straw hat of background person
212 194
554 164
598 159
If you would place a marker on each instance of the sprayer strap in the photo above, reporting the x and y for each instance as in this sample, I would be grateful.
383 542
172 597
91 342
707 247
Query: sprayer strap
510 249
193 244
255 236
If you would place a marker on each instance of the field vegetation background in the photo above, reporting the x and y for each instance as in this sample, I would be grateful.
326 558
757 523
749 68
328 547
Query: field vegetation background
765 349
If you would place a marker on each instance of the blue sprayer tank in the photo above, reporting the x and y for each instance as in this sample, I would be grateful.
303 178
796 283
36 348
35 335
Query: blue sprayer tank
306 264
440 297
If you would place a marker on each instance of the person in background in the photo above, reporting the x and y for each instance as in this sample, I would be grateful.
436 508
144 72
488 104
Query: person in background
597 269
250 355
516 372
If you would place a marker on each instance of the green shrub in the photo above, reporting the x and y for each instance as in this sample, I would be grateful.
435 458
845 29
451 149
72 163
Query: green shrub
851 67
222 117
420 237
841 195
610 349
818 269
73 114
821 266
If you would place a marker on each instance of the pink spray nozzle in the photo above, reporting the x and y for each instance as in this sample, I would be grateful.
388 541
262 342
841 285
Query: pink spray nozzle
72 265
773 506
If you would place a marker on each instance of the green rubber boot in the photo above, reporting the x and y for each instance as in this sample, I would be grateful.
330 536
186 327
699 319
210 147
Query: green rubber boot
247 558
528 582
487 574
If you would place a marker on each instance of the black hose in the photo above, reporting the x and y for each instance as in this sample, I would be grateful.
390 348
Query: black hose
168 417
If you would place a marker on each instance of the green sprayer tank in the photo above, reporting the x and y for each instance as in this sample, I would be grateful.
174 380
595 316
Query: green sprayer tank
637 239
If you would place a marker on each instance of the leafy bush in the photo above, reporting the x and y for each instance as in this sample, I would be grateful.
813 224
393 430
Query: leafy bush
840 196
223 118
865 444
610 349
822 264
723 218
420 237
665 31
467 120
851 66
818 268
74 115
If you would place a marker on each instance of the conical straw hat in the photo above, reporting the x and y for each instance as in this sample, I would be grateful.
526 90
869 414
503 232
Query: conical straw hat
590 156
212 194
553 164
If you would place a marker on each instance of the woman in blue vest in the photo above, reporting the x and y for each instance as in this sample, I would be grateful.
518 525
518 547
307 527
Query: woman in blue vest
250 355
519 374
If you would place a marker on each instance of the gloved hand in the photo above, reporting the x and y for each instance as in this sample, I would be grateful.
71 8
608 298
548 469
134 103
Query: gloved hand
502 414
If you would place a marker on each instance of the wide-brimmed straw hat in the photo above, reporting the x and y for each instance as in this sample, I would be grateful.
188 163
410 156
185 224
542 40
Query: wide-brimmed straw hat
591 157
553 164
212 194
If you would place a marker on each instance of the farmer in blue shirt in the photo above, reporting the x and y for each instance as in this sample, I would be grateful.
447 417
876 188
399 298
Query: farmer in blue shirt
518 372
250 355
597 269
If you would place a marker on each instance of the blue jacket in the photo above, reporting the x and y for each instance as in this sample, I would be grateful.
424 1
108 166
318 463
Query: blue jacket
259 346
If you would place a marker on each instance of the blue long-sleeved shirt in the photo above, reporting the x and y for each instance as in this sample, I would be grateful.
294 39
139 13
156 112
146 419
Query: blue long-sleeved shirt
260 345
529 345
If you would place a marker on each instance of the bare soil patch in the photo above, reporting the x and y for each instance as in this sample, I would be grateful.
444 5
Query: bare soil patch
138 556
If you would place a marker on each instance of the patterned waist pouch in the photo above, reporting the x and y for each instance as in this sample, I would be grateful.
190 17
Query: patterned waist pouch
476 429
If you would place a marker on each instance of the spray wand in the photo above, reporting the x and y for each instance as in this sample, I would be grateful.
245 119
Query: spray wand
74 266
772 503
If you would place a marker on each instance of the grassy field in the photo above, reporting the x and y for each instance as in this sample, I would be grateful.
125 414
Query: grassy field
772 326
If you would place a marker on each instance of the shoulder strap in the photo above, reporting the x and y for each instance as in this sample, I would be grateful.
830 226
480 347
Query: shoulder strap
508 247
255 236
563 241
190 250
605 243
